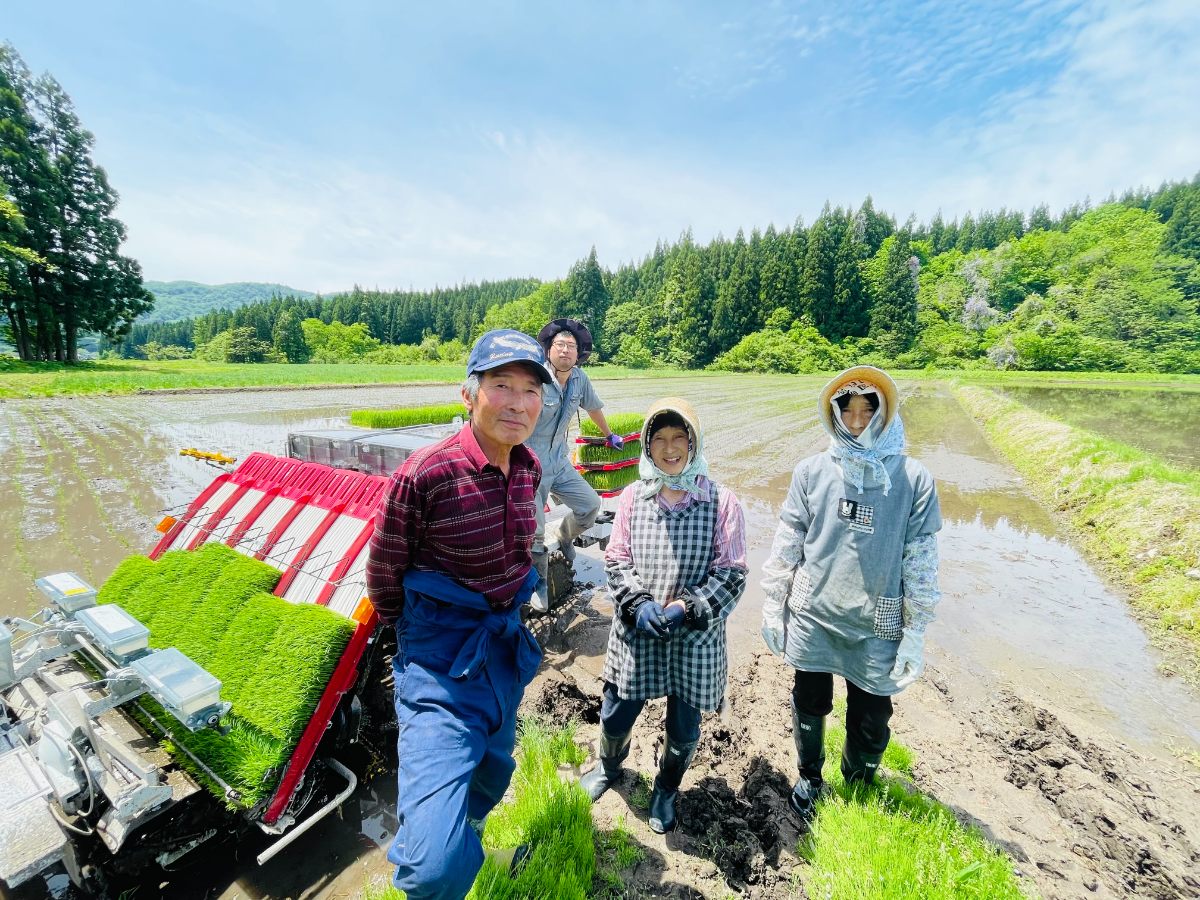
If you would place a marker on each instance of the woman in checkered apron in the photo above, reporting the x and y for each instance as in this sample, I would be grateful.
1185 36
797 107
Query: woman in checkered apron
676 566
851 581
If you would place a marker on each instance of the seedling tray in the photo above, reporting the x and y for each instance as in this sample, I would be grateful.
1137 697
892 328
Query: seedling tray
303 529
607 467
589 439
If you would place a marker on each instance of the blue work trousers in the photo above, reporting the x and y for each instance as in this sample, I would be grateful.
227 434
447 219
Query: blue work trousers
617 716
455 750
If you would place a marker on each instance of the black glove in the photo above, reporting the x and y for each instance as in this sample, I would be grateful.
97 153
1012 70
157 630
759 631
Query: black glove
653 620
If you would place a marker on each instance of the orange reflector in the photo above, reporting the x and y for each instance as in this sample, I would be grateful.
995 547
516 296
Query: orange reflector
363 612
166 524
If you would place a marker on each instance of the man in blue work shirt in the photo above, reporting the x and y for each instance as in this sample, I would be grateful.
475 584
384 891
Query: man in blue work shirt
567 343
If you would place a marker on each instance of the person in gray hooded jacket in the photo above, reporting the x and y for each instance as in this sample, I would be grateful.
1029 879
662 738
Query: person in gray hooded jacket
851 581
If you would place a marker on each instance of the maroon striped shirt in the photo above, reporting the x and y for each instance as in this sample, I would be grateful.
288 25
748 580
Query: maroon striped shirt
449 510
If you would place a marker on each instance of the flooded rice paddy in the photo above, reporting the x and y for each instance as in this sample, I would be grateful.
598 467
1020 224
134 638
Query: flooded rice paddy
87 479
1165 422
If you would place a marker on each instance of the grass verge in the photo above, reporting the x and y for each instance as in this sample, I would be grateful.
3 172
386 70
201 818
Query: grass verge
885 843
129 376
1132 513
401 418
552 815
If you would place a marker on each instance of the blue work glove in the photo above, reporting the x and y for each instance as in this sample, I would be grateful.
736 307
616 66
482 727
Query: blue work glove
675 614
653 620
615 441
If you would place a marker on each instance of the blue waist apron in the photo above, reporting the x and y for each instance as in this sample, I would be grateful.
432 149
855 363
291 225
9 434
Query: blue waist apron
460 670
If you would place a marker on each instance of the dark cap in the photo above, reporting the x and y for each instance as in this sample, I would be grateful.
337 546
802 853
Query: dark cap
583 337
503 346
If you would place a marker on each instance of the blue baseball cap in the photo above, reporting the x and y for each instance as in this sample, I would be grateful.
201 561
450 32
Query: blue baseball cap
507 345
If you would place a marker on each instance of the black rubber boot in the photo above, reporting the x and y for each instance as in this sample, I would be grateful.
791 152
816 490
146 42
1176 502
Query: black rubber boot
809 734
613 751
859 767
674 763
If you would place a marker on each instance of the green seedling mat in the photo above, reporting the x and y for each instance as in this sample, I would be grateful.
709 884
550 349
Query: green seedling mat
401 418
602 453
621 423
274 658
616 479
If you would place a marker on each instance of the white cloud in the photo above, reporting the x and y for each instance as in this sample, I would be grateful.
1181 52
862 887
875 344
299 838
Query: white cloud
531 208
1107 100
1124 110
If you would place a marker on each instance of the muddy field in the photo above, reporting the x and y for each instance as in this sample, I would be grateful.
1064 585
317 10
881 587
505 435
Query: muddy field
1043 717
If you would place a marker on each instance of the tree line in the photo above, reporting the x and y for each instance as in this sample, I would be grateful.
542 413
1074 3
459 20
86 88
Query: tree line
61 270
998 288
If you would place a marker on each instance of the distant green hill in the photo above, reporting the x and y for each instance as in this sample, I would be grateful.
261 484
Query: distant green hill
175 300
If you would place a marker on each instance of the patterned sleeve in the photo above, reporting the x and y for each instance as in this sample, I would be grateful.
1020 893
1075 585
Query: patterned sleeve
398 528
920 574
718 594
625 588
787 552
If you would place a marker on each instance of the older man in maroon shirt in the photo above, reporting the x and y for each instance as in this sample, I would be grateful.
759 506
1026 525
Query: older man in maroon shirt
450 566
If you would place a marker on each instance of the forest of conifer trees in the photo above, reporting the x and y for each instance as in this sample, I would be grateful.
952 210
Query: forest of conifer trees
1112 287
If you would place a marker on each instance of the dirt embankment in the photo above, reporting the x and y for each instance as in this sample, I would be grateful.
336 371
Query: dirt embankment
1080 814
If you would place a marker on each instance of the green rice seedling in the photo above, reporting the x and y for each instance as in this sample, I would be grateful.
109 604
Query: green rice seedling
120 584
244 644
621 423
172 624
240 578
246 759
882 842
602 453
616 851
274 658
380 888
612 480
552 815
640 795
144 597
400 418
280 697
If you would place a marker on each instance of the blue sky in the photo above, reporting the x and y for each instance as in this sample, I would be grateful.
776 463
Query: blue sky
391 144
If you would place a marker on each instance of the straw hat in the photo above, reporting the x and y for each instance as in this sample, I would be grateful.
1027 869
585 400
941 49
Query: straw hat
873 376
676 405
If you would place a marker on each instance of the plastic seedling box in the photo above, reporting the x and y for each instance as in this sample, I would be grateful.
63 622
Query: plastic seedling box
177 683
115 630
67 591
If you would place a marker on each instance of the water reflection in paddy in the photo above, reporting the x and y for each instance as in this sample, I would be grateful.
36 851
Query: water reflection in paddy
1019 600
1165 422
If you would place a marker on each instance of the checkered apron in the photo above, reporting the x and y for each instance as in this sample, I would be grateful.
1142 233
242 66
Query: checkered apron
672 549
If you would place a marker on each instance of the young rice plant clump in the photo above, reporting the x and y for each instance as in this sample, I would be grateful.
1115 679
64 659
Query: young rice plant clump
552 815
882 843
401 418
621 423
613 480
602 453
273 658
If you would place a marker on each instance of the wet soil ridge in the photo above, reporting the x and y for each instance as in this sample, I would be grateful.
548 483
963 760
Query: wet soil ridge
1134 514
1120 826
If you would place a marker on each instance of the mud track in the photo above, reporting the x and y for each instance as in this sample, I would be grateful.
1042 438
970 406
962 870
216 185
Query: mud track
1080 814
